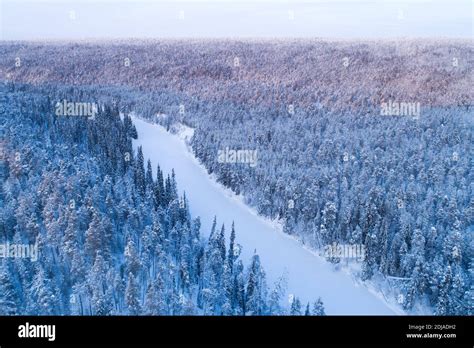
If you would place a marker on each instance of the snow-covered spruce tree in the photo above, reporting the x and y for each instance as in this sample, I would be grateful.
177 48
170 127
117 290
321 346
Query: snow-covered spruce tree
296 307
9 301
318 308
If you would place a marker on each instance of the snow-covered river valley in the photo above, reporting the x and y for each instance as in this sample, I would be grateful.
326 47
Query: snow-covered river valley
309 275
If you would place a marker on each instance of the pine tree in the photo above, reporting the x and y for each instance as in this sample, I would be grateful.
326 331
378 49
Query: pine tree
94 235
231 255
239 289
318 308
101 301
43 297
255 292
159 188
152 300
221 243
442 306
132 296
295 306
469 294
456 293
8 295
229 300
140 172
276 295
132 261
70 240
149 176
416 285
213 229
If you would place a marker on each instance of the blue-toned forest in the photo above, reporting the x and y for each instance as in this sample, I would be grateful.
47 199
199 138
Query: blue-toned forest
117 239
113 239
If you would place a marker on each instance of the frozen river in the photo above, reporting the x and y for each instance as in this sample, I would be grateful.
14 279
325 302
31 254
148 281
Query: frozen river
309 276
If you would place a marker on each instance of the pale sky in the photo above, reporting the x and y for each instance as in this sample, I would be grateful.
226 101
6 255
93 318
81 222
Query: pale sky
107 19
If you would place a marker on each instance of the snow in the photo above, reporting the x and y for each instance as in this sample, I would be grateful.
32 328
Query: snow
184 132
161 116
308 275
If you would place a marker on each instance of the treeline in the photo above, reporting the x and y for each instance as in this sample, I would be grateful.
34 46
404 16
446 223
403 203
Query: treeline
336 74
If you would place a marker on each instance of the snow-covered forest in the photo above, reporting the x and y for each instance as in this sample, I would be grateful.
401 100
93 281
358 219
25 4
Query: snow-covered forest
113 239
330 167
